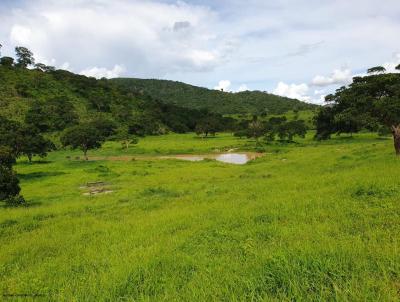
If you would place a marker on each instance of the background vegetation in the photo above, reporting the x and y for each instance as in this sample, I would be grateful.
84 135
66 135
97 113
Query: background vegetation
185 95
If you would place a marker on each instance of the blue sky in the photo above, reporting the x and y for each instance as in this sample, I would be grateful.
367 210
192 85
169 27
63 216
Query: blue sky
297 48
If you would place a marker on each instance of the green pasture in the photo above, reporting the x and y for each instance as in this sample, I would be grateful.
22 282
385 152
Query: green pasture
307 222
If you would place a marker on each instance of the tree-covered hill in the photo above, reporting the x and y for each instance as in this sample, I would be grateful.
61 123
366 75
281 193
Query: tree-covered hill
194 97
45 97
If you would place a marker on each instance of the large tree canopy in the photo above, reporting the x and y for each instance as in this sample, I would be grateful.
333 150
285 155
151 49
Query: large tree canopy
370 102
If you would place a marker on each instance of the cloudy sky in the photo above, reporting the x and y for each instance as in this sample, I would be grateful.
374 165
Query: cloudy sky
297 48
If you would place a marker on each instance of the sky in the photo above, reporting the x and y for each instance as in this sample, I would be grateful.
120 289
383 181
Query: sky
302 49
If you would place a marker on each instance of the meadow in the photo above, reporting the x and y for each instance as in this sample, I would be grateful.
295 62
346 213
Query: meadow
307 221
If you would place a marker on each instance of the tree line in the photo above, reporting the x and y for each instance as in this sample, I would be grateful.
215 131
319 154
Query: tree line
370 102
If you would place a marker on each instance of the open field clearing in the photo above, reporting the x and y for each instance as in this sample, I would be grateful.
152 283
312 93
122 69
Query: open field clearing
315 221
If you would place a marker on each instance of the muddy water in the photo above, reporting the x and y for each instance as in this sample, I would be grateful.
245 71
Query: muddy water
230 158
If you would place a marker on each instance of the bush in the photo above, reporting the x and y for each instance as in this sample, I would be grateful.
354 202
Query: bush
9 183
15 201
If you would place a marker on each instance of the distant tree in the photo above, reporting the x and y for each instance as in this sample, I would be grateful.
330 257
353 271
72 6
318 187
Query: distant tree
256 129
24 57
377 69
33 143
44 67
347 122
52 115
296 113
398 67
105 126
83 136
264 112
126 138
207 125
295 128
144 124
7 62
325 123
240 133
270 132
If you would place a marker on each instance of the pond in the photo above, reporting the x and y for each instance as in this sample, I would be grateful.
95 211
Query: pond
230 158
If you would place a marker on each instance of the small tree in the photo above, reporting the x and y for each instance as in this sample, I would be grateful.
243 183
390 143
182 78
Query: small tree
24 56
296 128
256 129
206 126
126 138
83 136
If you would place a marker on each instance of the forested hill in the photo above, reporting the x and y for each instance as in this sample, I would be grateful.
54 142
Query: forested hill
194 97
52 100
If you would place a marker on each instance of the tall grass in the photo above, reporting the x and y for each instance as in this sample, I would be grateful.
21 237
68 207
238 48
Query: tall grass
308 221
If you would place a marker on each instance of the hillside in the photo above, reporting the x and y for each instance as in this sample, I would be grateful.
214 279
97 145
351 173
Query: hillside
45 94
194 97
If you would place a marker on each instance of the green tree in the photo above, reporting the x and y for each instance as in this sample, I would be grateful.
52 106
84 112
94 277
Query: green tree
324 121
52 115
256 129
105 126
33 143
126 138
83 136
372 101
295 128
24 57
207 125
44 68
23 139
377 69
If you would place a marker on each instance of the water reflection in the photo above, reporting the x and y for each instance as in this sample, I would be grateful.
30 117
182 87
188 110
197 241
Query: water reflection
230 158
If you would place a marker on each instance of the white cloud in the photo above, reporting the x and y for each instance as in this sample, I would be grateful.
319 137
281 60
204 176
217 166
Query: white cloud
20 35
242 88
101 72
65 66
337 77
200 42
226 86
293 91
223 85
391 66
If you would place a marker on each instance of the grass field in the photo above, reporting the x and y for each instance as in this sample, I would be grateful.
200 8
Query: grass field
308 221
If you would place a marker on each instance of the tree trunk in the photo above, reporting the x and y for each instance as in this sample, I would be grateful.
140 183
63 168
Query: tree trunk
85 154
30 158
396 138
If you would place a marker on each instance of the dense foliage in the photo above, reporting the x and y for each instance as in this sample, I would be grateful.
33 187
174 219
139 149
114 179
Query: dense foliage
189 96
272 128
371 102
52 100
84 137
